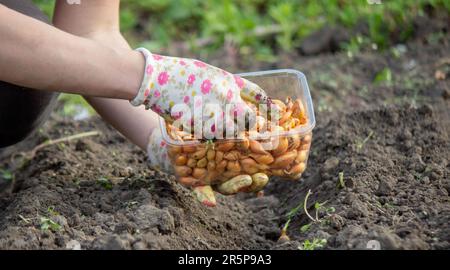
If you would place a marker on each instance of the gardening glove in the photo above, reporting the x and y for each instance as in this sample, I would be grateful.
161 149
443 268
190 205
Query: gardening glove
157 152
170 80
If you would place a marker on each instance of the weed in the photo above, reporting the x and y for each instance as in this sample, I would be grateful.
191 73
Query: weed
105 183
305 227
388 206
76 182
6 174
319 207
291 214
48 224
383 77
214 21
360 144
312 245
294 211
51 211
284 14
355 45
341 183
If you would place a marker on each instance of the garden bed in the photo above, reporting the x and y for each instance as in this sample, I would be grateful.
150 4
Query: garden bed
378 170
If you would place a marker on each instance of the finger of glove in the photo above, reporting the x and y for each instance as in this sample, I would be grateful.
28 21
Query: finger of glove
251 92
157 152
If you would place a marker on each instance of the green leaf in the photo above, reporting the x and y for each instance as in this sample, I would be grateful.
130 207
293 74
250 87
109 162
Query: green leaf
47 223
51 211
314 244
104 182
384 76
305 228
294 210
6 174
317 205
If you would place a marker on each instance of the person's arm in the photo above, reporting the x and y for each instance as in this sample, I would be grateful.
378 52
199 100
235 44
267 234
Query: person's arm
99 21
36 55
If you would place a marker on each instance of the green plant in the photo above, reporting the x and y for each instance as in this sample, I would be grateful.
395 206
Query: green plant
284 14
105 183
48 224
312 245
383 77
6 174
291 214
75 105
51 211
305 227
204 25
360 143
319 207
341 181
47 6
355 45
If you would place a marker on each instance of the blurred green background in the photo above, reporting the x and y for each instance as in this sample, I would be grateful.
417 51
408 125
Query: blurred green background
264 29
158 24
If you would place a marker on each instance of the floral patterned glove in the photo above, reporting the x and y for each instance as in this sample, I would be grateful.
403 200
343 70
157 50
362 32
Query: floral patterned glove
170 80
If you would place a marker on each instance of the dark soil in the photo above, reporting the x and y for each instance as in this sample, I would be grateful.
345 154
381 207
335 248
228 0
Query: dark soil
136 208
396 185
389 140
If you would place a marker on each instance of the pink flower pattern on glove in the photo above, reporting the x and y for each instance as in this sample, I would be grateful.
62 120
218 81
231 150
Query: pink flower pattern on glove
239 81
149 70
206 86
229 95
157 57
191 79
163 78
157 152
199 64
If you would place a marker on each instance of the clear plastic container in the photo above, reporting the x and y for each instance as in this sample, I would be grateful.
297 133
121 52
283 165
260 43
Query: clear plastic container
215 162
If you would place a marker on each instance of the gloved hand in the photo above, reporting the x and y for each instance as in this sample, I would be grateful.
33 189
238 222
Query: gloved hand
170 80
204 192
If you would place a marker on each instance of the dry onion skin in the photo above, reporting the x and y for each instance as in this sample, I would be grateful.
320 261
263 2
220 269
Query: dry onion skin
232 166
